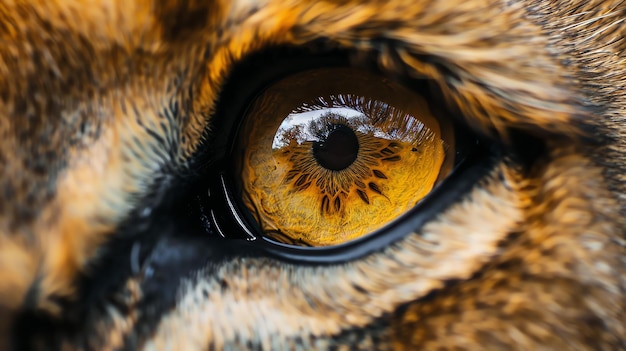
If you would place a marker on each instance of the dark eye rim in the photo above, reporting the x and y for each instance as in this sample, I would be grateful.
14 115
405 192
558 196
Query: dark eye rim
461 180
228 215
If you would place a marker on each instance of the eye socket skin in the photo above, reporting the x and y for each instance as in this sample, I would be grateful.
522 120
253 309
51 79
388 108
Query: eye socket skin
466 159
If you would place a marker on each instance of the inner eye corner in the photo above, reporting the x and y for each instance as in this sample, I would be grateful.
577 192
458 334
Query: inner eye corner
330 142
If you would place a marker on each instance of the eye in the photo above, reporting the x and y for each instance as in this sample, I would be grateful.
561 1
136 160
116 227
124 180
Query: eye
329 155
316 161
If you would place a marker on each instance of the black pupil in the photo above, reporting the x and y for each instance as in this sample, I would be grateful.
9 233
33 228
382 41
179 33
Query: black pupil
338 150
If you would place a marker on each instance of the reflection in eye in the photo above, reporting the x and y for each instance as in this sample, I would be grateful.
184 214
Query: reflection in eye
330 155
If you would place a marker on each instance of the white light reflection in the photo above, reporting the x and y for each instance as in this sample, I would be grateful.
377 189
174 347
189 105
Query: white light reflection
295 127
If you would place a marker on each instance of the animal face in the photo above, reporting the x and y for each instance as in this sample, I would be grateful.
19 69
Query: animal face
458 181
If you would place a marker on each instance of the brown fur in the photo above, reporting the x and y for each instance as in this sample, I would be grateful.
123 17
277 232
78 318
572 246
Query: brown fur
538 255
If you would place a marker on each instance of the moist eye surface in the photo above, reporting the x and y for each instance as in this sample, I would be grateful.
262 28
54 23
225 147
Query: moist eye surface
328 155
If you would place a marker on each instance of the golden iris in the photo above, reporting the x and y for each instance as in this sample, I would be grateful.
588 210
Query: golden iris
329 155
